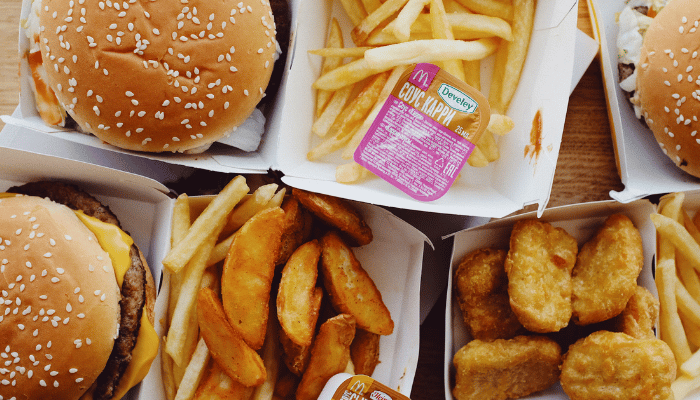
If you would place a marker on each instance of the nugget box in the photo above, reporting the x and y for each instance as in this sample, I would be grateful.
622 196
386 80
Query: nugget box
581 221
393 259
517 179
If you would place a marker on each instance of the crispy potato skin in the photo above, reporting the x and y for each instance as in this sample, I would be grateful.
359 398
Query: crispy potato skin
338 213
538 266
612 365
247 275
329 355
638 319
350 288
297 228
298 301
296 357
505 369
606 271
231 353
482 292
364 352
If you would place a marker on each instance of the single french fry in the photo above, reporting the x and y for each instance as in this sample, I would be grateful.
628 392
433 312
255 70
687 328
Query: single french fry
467 25
357 137
401 25
497 78
347 74
441 29
204 225
523 21
249 207
351 172
433 50
472 73
670 206
679 236
335 40
492 8
349 119
692 366
361 31
179 226
500 124
670 323
692 332
683 385
355 10
687 304
371 5
335 106
340 52
271 355
382 38
488 146
688 276
194 372
181 326
477 158
690 226
166 367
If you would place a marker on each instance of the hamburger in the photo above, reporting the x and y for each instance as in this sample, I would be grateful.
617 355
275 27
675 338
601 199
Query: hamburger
78 296
659 70
151 76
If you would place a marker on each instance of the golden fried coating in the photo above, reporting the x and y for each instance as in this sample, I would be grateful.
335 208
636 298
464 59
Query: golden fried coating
482 292
539 265
606 271
639 316
506 369
616 366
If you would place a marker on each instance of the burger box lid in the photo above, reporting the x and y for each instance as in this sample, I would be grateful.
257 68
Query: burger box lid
494 191
582 222
642 166
129 194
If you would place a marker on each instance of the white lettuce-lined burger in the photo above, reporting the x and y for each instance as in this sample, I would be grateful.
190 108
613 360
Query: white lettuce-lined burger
659 68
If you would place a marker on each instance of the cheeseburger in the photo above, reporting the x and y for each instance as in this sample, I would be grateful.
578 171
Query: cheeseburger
151 76
659 69
78 298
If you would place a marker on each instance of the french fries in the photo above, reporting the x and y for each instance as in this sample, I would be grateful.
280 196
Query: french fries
679 288
335 40
223 340
391 34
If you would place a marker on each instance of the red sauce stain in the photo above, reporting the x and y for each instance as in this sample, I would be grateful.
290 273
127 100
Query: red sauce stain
535 147
47 103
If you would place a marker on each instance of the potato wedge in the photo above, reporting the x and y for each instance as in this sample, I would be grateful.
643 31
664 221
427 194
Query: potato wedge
295 357
364 352
330 355
216 385
350 288
226 346
297 227
336 212
297 306
247 275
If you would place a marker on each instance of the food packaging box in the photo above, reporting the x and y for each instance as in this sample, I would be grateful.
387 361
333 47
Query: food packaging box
516 180
642 166
582 222
144 206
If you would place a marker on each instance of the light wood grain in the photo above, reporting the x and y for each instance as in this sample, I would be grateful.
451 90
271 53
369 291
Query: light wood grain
9 59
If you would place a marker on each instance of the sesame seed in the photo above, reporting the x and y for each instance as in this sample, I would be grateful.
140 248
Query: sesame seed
141 113
134 102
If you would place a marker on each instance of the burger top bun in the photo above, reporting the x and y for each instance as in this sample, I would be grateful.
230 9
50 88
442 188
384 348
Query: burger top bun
63 301
158 75
668 82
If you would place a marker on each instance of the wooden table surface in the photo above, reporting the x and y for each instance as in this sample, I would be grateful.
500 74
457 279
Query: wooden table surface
585 170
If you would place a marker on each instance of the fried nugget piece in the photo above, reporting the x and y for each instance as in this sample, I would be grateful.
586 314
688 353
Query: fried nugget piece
506 369
538 266
338 213
482 293
613 365
638 319
606 271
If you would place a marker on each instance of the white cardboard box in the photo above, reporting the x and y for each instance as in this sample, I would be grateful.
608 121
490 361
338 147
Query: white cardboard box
497 190
642 166
582 222
393 259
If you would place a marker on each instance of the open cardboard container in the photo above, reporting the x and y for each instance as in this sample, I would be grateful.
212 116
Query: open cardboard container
582 222
644 169
501 188
393 259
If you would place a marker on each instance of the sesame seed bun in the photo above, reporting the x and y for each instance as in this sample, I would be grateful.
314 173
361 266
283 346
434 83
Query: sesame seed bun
154 76
668 82
58 285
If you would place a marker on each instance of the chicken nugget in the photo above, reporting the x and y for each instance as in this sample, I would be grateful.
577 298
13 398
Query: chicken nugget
613 365
482 293
606 271
505 369
639 316
538 266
